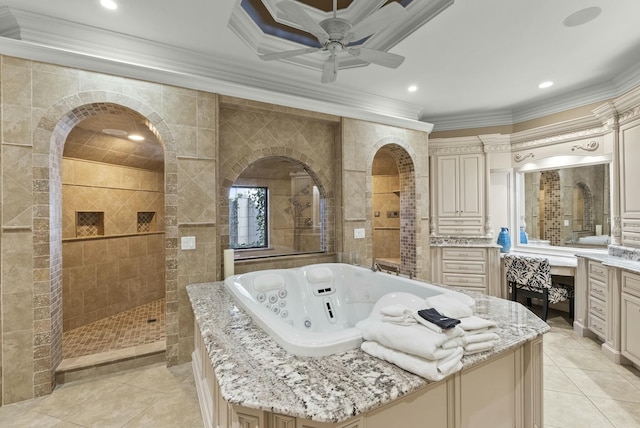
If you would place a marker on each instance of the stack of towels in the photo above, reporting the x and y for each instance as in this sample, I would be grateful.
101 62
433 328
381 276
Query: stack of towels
396 333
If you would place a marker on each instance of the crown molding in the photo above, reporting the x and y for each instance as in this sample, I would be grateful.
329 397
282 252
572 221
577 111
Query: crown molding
84 47
601 92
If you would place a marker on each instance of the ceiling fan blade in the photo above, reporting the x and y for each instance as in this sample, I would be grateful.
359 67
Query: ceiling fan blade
378 20
287 54
386 59
330 70
298 15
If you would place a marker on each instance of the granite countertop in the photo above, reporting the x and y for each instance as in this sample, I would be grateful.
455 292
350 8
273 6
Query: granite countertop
254 371
555 260
613 261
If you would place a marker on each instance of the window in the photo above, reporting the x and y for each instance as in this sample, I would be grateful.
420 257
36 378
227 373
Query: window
248 223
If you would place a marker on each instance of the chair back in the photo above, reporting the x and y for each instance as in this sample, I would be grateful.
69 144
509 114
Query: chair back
532 272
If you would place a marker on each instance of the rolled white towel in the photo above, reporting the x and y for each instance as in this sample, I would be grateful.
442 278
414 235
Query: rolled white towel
432 370
413 339
448 305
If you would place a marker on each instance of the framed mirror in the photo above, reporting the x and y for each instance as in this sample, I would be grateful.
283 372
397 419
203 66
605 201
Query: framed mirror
275 208
564 202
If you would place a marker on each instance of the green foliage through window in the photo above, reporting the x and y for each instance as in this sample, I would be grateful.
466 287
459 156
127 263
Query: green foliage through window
248 223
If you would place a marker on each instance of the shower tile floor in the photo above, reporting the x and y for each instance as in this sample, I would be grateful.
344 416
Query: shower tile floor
129 333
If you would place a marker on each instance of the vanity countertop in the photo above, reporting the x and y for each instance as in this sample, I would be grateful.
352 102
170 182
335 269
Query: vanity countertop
613 261
555 260
253 371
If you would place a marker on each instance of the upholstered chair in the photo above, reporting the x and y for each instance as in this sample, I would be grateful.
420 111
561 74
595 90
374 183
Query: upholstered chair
531 277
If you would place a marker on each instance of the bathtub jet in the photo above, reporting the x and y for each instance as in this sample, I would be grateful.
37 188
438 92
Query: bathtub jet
312 310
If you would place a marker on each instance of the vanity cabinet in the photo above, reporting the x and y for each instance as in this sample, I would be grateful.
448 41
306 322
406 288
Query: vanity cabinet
597 301
630 314
459 195
629 177
470 268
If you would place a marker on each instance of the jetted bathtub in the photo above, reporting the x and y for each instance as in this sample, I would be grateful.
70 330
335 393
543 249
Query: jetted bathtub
313 310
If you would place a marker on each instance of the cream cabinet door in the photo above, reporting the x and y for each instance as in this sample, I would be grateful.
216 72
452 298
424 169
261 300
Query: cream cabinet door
448 186
630 321
471 186
629 179
460 185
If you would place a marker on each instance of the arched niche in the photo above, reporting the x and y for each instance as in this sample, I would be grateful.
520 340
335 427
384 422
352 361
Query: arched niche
276 208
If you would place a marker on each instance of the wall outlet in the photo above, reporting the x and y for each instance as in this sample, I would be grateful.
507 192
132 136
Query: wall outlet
358 233
566 222
188 243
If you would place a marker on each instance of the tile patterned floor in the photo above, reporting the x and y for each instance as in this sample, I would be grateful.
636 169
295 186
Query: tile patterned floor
154 397
582 388
124 330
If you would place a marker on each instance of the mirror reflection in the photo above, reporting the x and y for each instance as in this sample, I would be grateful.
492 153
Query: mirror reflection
567 207
274 209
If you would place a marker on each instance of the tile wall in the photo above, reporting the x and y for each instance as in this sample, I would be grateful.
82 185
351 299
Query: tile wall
205 150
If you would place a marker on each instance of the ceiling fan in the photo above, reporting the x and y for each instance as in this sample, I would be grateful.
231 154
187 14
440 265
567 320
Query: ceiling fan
336 34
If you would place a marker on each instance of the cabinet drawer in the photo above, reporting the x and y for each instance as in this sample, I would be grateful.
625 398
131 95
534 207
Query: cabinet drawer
461 230
463 254
596 270
460 221
597 307
598 289
598 326
462 280
456 266
631 238
631 283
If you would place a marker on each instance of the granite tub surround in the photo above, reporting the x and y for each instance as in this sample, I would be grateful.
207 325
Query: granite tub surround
254 372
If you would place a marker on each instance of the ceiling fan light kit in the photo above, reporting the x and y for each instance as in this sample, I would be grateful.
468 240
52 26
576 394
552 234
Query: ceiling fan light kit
339 36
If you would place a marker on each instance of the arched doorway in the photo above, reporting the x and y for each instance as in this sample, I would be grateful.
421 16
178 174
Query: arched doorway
393 165
50 136
113 285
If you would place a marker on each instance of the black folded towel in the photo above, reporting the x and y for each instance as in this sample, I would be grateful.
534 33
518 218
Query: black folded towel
435 317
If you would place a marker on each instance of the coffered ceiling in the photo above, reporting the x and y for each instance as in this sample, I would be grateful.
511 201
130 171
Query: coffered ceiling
474 63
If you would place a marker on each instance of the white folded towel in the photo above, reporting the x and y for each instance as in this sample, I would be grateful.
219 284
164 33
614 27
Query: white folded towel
397 314
448 305
474 324
412 339
474 348
403 315
432 370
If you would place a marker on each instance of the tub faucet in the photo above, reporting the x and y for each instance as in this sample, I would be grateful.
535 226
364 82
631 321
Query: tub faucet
375 267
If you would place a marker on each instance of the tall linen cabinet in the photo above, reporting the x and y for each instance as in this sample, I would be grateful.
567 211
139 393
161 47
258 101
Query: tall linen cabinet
463 252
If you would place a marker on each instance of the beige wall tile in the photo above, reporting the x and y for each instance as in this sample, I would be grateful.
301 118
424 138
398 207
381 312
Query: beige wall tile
179 106
52 83
17 347
17 183
15 317
17 262
196 191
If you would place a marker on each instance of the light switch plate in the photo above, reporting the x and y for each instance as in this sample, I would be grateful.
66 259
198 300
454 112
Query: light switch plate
188 243
358 233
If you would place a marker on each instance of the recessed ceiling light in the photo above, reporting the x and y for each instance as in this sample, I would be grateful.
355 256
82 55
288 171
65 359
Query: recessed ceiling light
545 84
115 132
109 4
136 137
412 88
582 16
